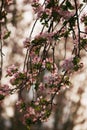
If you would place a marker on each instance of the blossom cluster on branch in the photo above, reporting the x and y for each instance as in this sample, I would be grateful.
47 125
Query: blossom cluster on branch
41 73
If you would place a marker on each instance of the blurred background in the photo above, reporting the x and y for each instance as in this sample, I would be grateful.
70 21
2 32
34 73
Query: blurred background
71 110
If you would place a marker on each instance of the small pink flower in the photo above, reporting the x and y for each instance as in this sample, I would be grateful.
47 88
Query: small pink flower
31 111
11 70
9 2
12 80
41 87
68 64
26 42
48 11
64 14
6 87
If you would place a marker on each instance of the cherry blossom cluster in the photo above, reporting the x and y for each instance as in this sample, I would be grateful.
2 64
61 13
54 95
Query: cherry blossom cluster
41 70
16 75
38 110
4 91
42 77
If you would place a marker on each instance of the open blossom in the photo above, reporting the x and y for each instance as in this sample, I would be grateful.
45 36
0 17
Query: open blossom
39 11
11 70
42 87
36 60
4 90
67 14
44 37
50 77
31 111
6 87
9 2
68 64
48 11
26 42
84 17
12 80
64 13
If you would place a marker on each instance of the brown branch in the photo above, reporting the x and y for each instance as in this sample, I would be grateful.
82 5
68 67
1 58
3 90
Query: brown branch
78 26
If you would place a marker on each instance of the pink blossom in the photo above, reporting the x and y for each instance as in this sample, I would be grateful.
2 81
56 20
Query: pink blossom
41 87
26 42
83 17
48 11
16 75
65 14
12 80
36 60
39 11
31 111
4 90
11 70
1 92
68 64
6 87
9 2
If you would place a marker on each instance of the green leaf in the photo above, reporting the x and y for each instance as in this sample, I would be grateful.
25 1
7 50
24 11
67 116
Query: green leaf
64 7
29 121
38 41
7 35
83 42
66 34
76 60
51 85
56 37
37 66
76 67
72 21
37 50
22 76
43 101
47 114
69 5
48 66
38 108
85 22
17 81
51 3
81 5
64 23
56 16
23 106
36 86
66 81
1 97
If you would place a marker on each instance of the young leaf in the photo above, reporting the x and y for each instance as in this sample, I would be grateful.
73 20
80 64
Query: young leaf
7 35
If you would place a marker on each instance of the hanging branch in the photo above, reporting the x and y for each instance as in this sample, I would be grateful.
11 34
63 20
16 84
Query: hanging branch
1 54
78 54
